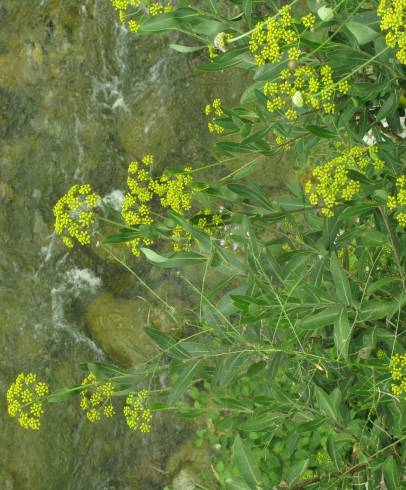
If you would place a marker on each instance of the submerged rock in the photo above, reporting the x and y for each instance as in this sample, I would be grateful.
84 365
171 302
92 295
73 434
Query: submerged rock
189 465
117 327
184 480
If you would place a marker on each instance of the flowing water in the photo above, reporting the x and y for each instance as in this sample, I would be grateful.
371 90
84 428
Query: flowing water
79 98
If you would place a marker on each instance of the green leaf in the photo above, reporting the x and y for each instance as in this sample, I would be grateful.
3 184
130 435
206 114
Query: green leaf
290 203
256 368
247 4
342 334
245 462
341 282
227 369
252 194
391 473
120 238
209 27
103 368
381 284
312 425
184 380
178 259
376 309
389 106
325 403
337 445
362 33
186 49
231 58
256 136
64 394
326 317
296 471
374 238
167 343
321 132
170 20
259 423
236 483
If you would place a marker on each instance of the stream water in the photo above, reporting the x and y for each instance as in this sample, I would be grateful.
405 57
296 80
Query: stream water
80 97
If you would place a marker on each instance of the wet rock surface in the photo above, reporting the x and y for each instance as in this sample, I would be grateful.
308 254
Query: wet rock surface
79 99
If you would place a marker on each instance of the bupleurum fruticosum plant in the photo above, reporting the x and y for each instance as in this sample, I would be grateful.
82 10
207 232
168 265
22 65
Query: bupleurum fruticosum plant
392 14
136 411
74 214
398 202
304 89
25 399
332 185
144 208
272 37
397 368
145 192
214 111
26 396
132 12
96 398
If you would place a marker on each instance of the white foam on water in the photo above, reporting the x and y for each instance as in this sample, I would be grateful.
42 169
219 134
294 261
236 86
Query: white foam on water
78 282
83 279
114 199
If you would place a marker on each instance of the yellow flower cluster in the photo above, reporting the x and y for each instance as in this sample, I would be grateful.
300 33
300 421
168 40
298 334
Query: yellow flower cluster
135 208
309 20
157 8
213 111
333 182
209 221
181 239
24 398
151 8
399 200
304 87
121 6
271 37
397 366
393 20
381 354
137 414
74 214
134 26
173 192
322 457
96 398
282 141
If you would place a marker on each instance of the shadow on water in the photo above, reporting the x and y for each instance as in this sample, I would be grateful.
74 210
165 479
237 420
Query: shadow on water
79 98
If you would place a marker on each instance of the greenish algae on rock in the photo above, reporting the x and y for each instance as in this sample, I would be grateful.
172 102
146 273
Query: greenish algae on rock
117 327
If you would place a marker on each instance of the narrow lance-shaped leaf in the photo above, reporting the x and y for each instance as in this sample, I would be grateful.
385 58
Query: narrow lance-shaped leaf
319 320
178 259
296 471
184 381
342 334
245 462
326 405
341 282
391 473
167 343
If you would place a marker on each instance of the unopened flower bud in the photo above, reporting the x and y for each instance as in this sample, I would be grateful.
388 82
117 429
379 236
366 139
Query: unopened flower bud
325 13
219 41
297 99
